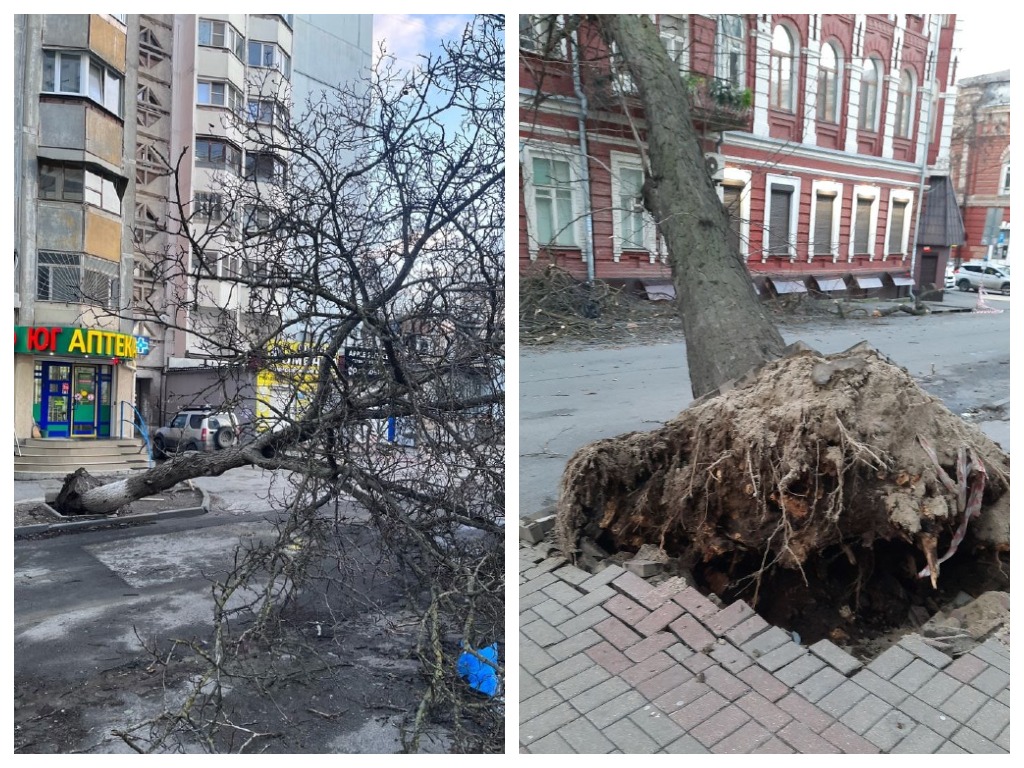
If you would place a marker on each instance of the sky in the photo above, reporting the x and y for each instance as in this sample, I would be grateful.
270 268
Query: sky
986 41
408 37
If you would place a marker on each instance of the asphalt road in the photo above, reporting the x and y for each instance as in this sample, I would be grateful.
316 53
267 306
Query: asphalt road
572 395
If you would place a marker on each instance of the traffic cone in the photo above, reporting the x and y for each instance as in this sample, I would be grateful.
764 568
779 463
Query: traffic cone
982 306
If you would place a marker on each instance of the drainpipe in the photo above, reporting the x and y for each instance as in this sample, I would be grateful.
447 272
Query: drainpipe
588 216
930 94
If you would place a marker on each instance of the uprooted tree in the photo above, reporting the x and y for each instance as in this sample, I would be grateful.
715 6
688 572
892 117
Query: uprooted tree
831 480
358 264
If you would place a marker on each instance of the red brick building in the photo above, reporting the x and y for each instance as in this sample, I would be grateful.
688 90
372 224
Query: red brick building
980 165
823 131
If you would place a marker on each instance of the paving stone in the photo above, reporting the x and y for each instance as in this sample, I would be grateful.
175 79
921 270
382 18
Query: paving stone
529 616
805 712
865 713
766 642
649 646
658 619
890 730
658 685
542 633
562 592
991 681
890 662
682 696
763 711
571 574
914 675
552 611
693 601
535 585
995 658
835 657
693 633
621 706
617 633
679 652
927 715
643 568
543 567
573 645
974 742
1003 697
651 666
763 682
746 630
776 659
698 662
563 670
1003 739
687 745
552 744
609 657
743 741
990 720
720 725
532 657
966 668
581 682
528 685
627 736
631 585
799 670
938 689
964 702
606 576
883 689
805 741
820 684
696 713
922 740
529 555
656 724
729 617
664 592
992 644
538 705
847 741
917 646
599 695
549 722
729 686
949 748
584 621
841 700
626 610
774 746
531 600
591 600
730 657
584 738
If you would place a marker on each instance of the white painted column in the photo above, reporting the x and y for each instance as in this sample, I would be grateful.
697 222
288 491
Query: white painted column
812 57
762 72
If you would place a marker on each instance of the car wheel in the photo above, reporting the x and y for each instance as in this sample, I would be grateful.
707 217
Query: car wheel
224 438
1004 288
964 285
193 446
159 448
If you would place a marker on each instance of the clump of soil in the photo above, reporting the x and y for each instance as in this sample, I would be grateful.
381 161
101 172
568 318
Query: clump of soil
807 490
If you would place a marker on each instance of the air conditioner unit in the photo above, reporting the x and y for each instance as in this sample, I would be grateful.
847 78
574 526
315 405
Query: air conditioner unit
715 164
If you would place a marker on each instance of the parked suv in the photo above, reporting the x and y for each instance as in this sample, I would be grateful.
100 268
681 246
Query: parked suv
196 429
970 276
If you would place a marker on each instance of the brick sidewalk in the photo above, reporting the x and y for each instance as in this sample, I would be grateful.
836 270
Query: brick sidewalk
610 664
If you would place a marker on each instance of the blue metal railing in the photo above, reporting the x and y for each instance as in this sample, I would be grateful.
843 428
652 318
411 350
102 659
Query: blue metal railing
140 424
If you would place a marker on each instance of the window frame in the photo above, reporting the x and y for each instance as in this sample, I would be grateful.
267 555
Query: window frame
250 169
865 192
233 40
556 153
620 162
875 101
1004 178
835 80
281 62
728 45
787 63
794 182
904 196
232 155
820 188
86 269
208 206
232 96
739 177
538 32
906 96
675 40
87 66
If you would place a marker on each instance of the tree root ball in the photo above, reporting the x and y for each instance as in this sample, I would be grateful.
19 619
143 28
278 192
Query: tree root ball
808 454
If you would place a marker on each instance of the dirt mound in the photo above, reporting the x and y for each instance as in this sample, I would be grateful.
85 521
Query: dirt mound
808 487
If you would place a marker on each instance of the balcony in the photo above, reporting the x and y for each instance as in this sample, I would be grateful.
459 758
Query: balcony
717 105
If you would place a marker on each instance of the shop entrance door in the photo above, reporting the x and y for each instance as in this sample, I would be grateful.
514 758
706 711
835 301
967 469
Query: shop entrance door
54 415
83 401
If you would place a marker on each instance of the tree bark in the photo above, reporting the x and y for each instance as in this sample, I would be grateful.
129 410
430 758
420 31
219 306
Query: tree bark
727 329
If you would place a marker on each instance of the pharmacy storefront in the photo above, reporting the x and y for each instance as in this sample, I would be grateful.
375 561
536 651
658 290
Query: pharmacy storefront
79 377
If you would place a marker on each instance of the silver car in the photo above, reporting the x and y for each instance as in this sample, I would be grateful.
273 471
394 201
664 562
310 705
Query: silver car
990 277
196 429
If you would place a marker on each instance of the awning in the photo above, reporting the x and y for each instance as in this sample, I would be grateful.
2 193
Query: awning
788 286
659 290
826 284
868 282
902 280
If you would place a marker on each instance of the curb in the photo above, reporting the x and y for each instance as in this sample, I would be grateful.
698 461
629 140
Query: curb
24 531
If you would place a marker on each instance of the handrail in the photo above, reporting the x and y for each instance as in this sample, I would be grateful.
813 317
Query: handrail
17 442
140 423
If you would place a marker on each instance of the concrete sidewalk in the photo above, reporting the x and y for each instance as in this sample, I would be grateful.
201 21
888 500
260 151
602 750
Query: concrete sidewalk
610 664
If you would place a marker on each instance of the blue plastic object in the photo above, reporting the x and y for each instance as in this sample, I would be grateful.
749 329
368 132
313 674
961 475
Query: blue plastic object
481 675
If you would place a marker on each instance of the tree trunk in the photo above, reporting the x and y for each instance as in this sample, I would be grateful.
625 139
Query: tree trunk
726 328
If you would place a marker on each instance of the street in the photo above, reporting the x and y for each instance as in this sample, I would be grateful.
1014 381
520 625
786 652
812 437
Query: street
572 395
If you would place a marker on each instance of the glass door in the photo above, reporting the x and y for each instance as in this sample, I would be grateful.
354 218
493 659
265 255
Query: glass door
55 399
83 401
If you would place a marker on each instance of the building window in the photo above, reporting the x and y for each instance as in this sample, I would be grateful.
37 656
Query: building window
58 181
870 95
80 75
1004 179
782 201
829 84
824 218
220 34
633 227
209 205
865 221
732 200
215 153
782 94
269 56
73 278
258 221
674 38
102 192
215 93
905 104
730 50
269 112
897 218
264 166
553 201
543 35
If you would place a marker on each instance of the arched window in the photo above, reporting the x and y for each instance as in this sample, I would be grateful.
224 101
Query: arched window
783 94
870 95
905 104
829 84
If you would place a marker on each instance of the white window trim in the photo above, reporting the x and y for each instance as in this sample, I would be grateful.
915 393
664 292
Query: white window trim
911 105
1004 169
540 29
772 179
676 43
85 64
729 179
901 195
564 154
869 62
718 54
831 188
864 191
624 161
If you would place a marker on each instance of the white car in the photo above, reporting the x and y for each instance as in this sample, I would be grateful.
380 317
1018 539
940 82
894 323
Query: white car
972 275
